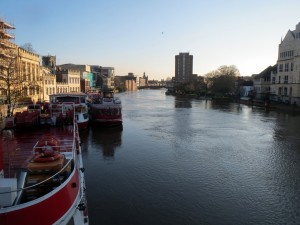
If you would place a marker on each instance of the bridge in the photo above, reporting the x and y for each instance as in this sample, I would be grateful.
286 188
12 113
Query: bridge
151 87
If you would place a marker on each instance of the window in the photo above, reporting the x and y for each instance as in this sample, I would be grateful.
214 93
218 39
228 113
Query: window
286 79
279 80
285 91
292 66
280 67
273 80
279 91
286 67
33 72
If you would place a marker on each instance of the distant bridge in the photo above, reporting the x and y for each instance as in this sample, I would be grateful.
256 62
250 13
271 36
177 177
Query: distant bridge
151 87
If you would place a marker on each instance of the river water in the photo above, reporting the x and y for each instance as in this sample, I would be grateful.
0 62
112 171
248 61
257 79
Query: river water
189 162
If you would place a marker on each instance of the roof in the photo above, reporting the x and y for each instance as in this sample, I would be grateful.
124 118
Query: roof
266 72
69 94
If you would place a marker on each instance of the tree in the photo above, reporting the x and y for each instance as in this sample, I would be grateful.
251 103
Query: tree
222 81
10 81
28 47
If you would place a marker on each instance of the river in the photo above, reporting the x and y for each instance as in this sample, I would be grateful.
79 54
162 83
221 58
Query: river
190 162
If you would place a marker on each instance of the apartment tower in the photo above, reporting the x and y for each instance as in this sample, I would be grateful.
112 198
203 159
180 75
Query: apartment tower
183 67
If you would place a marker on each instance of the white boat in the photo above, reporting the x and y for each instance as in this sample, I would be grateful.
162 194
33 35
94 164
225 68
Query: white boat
42 176
70 101
105 109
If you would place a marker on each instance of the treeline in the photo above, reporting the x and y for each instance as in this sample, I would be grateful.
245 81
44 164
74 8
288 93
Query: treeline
217 83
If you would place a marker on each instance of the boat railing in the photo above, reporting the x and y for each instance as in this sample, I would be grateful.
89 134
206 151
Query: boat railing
62 170
69 151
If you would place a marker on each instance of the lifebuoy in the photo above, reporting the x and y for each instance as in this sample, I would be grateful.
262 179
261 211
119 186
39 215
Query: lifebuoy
47 144
47 150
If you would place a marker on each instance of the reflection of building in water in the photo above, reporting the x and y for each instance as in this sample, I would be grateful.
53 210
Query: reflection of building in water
107 139
182 103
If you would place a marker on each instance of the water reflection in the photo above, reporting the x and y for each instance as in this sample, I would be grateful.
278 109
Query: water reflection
182 102
233 163
108 139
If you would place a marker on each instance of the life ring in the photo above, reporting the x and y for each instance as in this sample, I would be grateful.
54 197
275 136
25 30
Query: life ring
47 150
46 145
41 158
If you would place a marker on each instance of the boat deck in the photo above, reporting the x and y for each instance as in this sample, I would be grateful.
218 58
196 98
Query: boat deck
16 146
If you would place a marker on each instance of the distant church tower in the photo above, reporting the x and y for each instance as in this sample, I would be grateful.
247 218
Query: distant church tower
49 62
183 67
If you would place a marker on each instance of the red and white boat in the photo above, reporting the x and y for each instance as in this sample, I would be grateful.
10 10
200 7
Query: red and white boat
70 101
105 109
42 176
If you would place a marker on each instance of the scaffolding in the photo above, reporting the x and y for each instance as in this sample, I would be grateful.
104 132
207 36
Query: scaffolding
6 46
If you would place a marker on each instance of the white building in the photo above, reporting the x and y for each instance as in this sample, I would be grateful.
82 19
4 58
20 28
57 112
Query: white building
49 83
285 84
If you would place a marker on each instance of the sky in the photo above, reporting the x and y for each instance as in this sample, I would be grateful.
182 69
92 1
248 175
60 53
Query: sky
138 36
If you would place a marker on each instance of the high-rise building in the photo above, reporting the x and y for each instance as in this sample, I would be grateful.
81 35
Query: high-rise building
183 67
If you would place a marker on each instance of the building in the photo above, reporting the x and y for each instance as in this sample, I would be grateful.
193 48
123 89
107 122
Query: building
49 83
20 69
68 80
183 67
30 74
143 81
262 83
104 76
8 51
126 83
285 82
49 62
7 64
87 80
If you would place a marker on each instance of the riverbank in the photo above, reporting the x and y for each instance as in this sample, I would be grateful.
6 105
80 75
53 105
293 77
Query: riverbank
273 106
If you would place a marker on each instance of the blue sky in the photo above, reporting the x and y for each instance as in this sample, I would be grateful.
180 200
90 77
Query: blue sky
144 36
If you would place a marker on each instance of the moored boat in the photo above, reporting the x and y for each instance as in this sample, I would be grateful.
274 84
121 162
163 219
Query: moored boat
78 101
42 176
105 109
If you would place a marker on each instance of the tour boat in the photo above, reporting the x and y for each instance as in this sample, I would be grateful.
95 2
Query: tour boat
104 108
70 100
42 175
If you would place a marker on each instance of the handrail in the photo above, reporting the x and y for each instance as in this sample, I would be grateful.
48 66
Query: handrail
34 185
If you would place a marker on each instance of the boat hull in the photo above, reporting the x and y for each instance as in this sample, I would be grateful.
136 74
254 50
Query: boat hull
47 210
53 190
103 115
83 125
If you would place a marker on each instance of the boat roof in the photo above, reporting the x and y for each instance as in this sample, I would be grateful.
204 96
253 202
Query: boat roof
69 94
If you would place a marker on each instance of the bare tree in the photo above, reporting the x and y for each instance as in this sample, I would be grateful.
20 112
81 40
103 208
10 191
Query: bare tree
28 47
10 81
